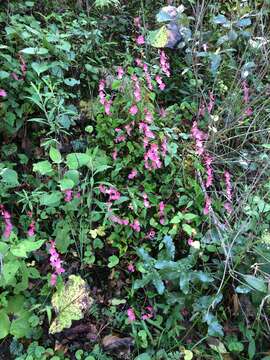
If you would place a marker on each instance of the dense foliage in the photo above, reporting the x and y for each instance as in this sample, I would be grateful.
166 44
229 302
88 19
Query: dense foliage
134 198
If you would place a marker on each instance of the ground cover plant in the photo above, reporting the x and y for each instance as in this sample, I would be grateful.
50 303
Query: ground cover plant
134 198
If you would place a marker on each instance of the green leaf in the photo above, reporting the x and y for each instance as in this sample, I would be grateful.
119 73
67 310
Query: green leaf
50 199
43 167
256 283
77 160
55 155
159 38
39 68
73 175
69 303
5 324
184 282
188 229
35 51
71 82
25 246
92 69
66 184
9 270
10 177
158 283
169 246
113 261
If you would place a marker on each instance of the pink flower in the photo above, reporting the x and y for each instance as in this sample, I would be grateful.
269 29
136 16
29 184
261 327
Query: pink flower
151 234
153 156
148 116
136 226
161 213
133 110
132 174
7 220
120 138
56 262
164 147
140 40
209 170
249 111
137 89
139 62
207 205
68 195
118 220
129 127
114 154
146 130
228 207
211 102
131 268
190 241
113 194
120 72
3 93
149 314
164 63
131 315
137 21
199 136
102 189
15 76
102 84
146 201
107 107
161 84
32 229
162 112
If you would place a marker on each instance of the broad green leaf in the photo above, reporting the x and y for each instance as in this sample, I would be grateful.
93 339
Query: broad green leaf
9 270
4 324
10 177
55 155
50 199
256 283
66 184
77 160
113 261
39 68
184 282
25 246
188 229
73 175
43 167
69 303
168 241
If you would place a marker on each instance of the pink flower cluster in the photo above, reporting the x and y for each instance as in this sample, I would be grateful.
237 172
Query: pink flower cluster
161 213
120 72
140 40
131 315
132 174
228 204
137 89
133 110
161 84
164 63
146 201
32 229
147 315
199 137
55 262
207 205
144 66
135 225
69 195
112 192
7 220
102 97
151 158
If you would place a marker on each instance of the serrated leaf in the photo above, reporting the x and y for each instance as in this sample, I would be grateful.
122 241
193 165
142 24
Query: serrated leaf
70 303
